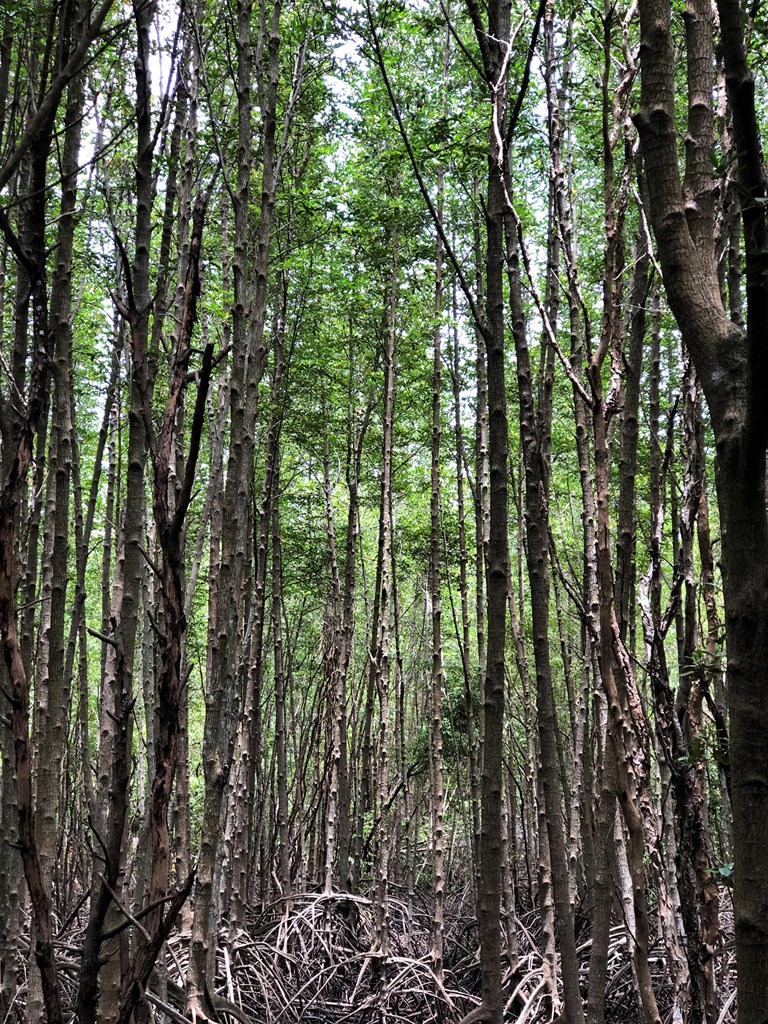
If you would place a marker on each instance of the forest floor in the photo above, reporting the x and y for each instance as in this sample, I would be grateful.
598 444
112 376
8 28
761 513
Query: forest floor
311 963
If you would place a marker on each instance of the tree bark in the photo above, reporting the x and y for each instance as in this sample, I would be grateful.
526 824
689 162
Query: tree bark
437 675
731 364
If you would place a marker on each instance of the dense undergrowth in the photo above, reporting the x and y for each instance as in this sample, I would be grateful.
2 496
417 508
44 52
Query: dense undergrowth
310 961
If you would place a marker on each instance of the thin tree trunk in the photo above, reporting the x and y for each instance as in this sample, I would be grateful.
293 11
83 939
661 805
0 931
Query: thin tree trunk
249 735
248 357
120 639
284 847
535 434
342 612
53 684
469 698
436 732
382 662
10 504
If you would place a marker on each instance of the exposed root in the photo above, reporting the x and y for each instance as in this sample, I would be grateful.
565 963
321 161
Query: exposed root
310 960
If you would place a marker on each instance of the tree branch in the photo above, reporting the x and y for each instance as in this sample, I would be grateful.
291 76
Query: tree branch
50 102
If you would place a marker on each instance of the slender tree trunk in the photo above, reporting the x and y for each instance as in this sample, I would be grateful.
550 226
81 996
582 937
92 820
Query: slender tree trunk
669 741
169 522
438 789
336 694
492 43
248 358
281 744
535 434
382 662
342 613
698 885
469 698
53 684
249 741
38 885
120 638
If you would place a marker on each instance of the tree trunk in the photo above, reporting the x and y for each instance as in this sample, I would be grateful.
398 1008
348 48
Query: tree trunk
731 365
436 732
381 668
248 358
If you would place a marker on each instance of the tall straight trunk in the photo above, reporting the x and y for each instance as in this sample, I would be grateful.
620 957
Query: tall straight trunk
494 42
549 965
342 614
45 994
347 625
535 432
604 896
113 773
249 308
206 893
337 691
698 885
711 674
11 865
169 519
496 584
229 543
52 683
183 152
669 741
281 718
382 661
469 699
249 742
535 436
628 747
39 892
407 874
625 529
626 723
84 520
482 527
536 802
62 45
731 365
366 795
436 732
625 767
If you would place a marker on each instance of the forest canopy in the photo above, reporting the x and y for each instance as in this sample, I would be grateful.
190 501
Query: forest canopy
383 522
